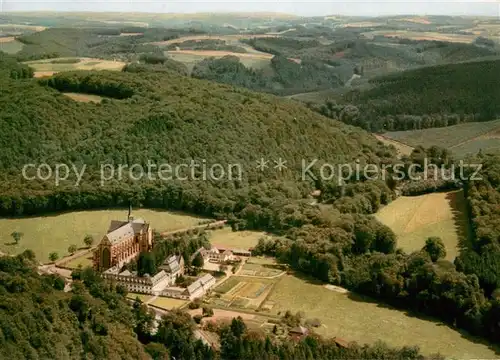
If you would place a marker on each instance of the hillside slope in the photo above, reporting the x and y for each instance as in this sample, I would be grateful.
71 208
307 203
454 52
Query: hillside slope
434 96
163 118
40 321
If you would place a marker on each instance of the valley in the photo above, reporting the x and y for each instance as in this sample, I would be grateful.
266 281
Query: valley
154 200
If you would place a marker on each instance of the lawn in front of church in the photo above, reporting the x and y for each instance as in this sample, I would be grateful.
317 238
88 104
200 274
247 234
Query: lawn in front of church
55 233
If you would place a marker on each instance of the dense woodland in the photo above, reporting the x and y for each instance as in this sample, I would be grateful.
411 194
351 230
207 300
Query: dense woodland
286 76
436 96
482 256
94 321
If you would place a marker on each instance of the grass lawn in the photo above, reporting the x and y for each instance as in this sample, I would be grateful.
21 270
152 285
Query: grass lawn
168 303
235 239
354 319
142 297
415 218
57 232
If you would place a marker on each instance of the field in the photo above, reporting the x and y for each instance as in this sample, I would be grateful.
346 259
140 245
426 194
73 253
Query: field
84 97
57 232
243 292
219 54
362 24
168 303
252 58
422 35
417 20
414 219
6 39
461 139
191 57
46 66
489 30
10 45
476 145
227 38
21 28
354 319
235 239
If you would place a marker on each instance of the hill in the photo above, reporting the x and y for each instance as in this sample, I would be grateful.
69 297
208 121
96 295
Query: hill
40 321
166 119
436 96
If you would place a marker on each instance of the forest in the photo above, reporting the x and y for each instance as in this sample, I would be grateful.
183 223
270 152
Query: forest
165 117
287 77
435 96
40 321
94 42
483 198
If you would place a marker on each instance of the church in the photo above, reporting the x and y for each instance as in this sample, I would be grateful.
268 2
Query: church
122 243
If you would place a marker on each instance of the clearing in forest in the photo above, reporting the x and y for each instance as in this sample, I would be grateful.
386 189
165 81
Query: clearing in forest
10 45
362 320
416 218
84 97
68 64
45 234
